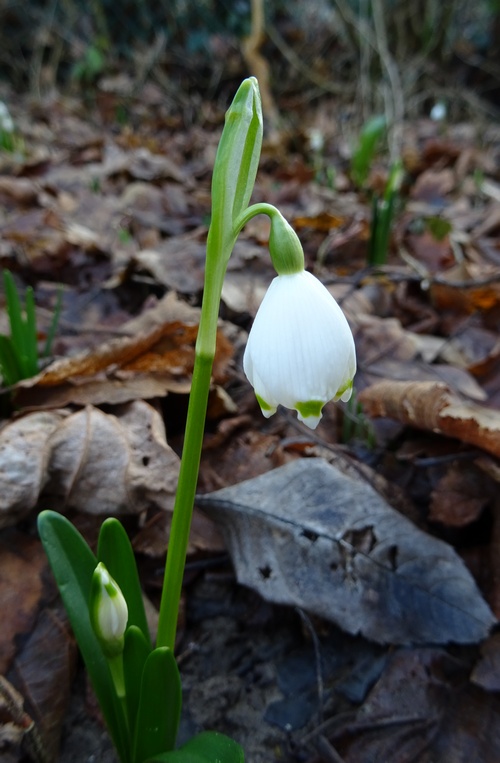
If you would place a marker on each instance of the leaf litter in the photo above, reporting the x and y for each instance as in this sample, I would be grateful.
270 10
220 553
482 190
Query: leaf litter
120 221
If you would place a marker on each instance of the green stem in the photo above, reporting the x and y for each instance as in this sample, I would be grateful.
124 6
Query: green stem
262 208
193 440
219 248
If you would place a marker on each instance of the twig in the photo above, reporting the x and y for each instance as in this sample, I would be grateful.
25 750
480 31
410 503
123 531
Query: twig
297 63
259 66
395 105
14 704
317 655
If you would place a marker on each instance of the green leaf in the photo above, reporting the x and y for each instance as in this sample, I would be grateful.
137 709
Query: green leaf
438 227
135 654
362 158
9 364
30 337
23 331
207 747
73 565
159 708
115 550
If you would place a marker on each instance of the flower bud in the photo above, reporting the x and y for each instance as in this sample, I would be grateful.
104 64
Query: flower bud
237 157
108 611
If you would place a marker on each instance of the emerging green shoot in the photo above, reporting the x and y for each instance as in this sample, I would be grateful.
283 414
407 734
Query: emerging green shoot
19 352
383 209
363 156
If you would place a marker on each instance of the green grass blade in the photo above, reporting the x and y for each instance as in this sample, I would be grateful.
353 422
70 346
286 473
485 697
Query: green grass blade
30 334
9 364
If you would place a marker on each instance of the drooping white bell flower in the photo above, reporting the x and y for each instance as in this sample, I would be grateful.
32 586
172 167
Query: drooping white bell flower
300 352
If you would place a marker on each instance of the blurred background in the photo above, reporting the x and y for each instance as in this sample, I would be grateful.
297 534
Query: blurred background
372 56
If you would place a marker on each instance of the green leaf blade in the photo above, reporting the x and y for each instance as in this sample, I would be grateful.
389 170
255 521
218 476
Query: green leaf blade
207 747
73 565
115 550
159 710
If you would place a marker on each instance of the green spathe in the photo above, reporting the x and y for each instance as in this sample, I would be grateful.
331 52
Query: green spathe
285 247
237 158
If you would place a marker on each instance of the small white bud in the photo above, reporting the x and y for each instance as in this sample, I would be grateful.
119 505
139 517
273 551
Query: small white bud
108 611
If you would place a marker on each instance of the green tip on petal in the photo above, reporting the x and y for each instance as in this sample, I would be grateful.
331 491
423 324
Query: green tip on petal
310 412
266 409
345 392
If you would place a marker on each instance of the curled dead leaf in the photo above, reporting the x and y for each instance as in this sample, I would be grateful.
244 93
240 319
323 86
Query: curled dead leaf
433 406
90 461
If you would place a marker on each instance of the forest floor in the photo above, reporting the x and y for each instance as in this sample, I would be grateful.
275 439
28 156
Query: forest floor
105 204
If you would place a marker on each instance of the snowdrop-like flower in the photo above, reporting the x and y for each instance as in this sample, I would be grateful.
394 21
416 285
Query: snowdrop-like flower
300 352
108 611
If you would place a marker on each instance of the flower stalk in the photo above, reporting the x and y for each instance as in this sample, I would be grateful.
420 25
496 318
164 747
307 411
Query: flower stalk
232 184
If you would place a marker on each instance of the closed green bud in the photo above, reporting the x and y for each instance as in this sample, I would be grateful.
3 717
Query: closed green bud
108 611
237 158
285 247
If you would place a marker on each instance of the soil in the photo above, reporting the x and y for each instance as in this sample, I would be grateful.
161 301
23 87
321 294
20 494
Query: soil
265 675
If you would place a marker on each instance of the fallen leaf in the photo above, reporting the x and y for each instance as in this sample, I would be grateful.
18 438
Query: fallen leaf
118 463
23 463
90 461
323 222
309 536
22 564
156 356
43 671
423 709
486 673
433 406
460 496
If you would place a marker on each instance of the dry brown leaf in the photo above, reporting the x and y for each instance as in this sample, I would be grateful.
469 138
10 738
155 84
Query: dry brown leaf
433 406
21 190
467 288
23 462
323 222
22 564
43 668
108 464
156 357
204 536
89 461
459 497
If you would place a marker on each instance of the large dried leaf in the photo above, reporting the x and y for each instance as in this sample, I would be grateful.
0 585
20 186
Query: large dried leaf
155 356
310 536
89 461
43 670
433 406
22 566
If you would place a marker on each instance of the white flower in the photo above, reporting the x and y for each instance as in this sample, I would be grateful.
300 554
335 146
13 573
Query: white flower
300 352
